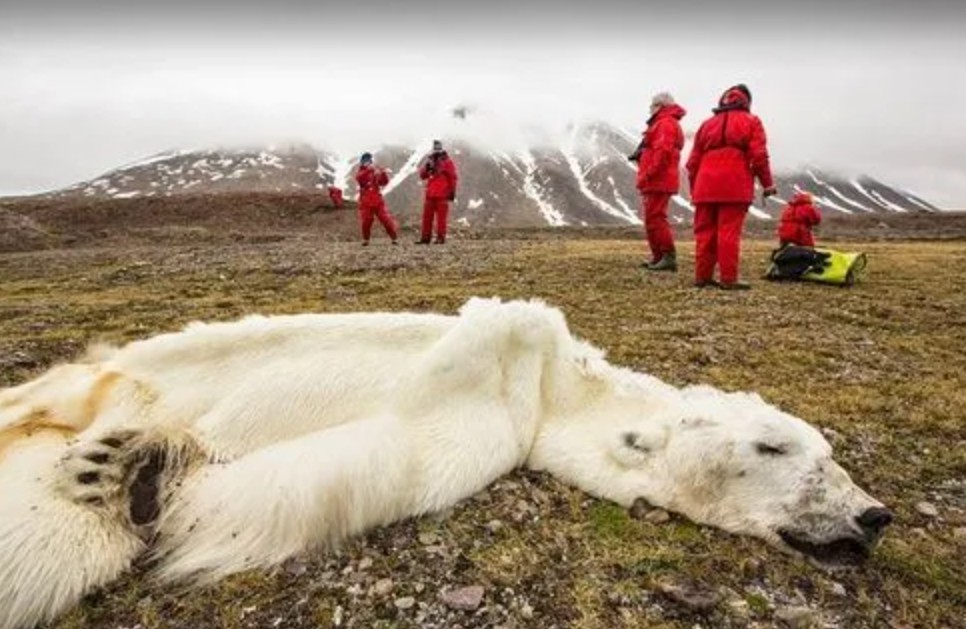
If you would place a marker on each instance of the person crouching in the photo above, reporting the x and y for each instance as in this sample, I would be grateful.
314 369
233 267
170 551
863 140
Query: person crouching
372 180
797 220
658 178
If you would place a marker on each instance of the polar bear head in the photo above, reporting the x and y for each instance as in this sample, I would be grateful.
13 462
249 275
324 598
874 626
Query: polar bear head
733 461
728 460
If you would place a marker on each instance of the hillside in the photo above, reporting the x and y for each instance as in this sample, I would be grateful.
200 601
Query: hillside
583 180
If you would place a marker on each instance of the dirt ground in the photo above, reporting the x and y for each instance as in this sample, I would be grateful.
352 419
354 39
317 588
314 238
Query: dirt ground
879 366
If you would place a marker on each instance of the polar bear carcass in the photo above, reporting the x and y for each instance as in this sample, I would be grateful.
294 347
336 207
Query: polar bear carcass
231 446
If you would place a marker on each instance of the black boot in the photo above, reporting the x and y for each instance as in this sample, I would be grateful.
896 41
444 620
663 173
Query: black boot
668 262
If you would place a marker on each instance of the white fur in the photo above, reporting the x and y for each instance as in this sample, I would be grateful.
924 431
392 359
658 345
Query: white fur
289 433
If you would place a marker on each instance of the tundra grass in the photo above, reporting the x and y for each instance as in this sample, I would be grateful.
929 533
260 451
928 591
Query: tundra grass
880 366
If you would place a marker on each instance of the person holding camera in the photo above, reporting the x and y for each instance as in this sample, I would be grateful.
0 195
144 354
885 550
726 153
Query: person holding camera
372 180
730 151
658 160
439 173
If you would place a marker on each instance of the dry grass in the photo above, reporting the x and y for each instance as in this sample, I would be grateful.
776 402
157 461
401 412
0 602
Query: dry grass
881 364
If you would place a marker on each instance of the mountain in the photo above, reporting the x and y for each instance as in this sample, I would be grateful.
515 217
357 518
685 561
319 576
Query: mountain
582 179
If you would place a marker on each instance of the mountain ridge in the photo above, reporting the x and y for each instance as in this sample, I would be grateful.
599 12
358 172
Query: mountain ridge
584 180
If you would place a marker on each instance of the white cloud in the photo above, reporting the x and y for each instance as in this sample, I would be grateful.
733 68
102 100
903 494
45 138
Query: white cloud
73 110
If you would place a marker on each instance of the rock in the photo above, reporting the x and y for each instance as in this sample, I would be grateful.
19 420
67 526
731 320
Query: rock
365 563
796 617
428 538
959 533
405 602
692 596
927 509
838 589
296 567
739 608
640 509
494 526
467 598
526 611
337 616
383 587
657 516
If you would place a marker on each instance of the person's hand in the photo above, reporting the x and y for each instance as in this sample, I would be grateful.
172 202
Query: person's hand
770 191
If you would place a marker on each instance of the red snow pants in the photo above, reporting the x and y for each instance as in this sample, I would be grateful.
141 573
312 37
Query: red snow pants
437 209
659 236
717 240
370 210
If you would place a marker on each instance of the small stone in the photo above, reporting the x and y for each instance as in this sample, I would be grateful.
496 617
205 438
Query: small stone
466 598
419 587
690 595
428 538
959 533
927 509
405 602
337 616
796 617
383 587
640 508
739 608
494 526
526 611
657 516
838 589
296 568
365 563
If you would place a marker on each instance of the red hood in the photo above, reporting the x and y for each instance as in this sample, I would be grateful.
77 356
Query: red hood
734 98
801 198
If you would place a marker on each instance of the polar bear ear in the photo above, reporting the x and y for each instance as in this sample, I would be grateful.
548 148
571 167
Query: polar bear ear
633 448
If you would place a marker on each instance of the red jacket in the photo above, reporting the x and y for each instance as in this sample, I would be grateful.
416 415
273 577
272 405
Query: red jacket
797 220
439 172
730 150
660 161
371 182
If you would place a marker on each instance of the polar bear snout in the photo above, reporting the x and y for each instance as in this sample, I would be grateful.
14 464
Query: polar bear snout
874 521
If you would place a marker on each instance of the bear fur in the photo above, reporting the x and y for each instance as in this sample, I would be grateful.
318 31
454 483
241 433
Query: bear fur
231 446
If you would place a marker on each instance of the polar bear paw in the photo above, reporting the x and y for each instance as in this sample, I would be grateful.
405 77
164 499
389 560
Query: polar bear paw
117 472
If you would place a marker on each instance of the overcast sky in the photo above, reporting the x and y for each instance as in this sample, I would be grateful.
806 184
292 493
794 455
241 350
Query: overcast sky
863 86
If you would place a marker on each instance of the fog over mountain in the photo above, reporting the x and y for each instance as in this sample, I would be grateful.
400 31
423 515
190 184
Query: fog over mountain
851 87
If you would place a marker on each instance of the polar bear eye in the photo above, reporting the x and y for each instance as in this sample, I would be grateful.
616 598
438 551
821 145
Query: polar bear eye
770 450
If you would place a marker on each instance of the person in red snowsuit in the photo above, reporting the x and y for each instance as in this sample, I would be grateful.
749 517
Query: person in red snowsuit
797 220
335 194
371 181
439 173
729 153
658 178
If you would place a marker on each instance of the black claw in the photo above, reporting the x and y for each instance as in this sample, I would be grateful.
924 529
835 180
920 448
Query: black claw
112 442
99 457
88 478
94 501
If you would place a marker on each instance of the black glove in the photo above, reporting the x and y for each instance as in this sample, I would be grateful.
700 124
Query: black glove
452 196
